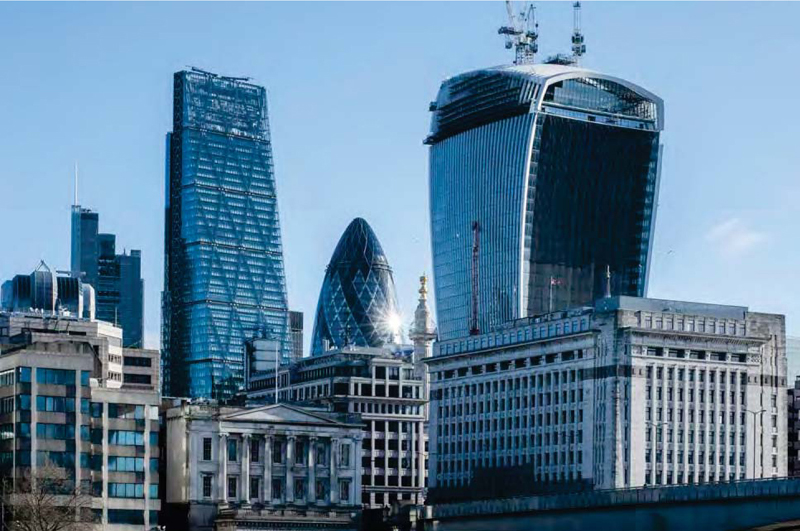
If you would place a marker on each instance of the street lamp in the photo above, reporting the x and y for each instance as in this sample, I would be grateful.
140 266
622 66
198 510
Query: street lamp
754 413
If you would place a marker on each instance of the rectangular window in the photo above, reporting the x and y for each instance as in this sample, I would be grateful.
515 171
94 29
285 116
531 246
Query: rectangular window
207 486
232 483
232 447
344 460
207 449
255 487
277 489
255 449
344 490
277 455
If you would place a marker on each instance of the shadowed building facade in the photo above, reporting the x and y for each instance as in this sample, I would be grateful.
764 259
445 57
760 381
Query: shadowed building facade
542 178
357 304
224 275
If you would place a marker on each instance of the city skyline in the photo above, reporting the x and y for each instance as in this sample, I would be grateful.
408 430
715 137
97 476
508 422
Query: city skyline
701 214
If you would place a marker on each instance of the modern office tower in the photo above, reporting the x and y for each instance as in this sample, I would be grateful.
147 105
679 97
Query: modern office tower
224 276
270 467
46 291
357 304
64 401
296 329
116 278
629 392
381 386
543 179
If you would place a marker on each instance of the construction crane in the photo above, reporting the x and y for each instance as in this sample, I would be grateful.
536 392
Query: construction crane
521 33
476 247
578 47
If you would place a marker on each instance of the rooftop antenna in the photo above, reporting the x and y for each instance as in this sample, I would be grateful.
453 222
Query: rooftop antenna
578 47
75 199
521 33
608 282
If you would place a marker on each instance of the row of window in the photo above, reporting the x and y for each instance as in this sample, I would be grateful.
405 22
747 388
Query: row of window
321 488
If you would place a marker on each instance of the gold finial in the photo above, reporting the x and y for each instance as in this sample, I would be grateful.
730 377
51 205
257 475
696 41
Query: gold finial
423 286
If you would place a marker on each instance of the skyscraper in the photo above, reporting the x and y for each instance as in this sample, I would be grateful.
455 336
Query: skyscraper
224 275
116 278
543 186
357 303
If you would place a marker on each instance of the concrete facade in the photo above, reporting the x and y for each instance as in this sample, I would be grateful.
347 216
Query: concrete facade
277 466
63 401
385 389
627 393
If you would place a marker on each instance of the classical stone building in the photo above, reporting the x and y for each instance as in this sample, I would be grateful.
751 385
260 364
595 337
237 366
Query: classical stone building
625 393
66 400
275 466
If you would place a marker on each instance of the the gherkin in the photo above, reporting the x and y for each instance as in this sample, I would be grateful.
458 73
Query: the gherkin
357 304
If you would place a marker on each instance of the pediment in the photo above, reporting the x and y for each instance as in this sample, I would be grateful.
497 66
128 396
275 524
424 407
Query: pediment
281 413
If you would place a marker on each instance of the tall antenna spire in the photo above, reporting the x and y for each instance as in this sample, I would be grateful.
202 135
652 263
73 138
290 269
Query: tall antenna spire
75 199
521 34
578 47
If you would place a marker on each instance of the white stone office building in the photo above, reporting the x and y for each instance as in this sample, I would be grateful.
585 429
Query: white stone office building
627 393
64 401
269 467
384 389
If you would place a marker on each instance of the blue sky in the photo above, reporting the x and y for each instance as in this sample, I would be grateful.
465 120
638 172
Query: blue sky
349 86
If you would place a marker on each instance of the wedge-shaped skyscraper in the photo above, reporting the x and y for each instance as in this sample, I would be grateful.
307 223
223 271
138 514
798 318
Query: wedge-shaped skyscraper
543 180
357 304
224 275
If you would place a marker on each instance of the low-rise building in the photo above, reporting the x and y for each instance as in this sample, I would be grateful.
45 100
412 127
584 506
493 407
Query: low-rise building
64 402
628 392
276 466
386 390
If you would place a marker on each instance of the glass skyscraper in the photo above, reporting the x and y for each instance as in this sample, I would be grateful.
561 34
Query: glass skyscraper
224 275
116 278
357 303
543 179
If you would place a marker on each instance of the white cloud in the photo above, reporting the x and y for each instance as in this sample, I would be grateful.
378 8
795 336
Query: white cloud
734 237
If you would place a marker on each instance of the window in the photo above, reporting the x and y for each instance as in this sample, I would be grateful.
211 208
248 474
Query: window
126 490
207 449
344 459
207 485
277 489
232 447
255 487
55 376
299 488
85 378
142 379
125 516
277 455
125 464
255 449
232 483
136 361
58 404
344 490
125 438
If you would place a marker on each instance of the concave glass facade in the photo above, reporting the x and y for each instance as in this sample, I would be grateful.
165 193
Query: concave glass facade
556 169
224 274
357 304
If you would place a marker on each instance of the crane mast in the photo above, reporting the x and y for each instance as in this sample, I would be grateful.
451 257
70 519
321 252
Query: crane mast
578 47
476 246
522 33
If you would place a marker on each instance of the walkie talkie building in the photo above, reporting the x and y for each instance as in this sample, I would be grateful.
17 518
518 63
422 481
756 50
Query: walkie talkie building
558 167
224 274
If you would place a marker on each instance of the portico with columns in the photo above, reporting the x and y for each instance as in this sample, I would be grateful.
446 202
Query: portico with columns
254 463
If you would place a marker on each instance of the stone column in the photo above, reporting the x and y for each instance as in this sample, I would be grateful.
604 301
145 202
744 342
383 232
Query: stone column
312 470
290 468
420 461
334 483
223 477
245 495
355 467
267 469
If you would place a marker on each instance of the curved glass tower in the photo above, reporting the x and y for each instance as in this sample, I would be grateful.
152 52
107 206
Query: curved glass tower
357 304
542 178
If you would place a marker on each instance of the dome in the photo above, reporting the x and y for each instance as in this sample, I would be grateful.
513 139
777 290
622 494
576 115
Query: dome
357 304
